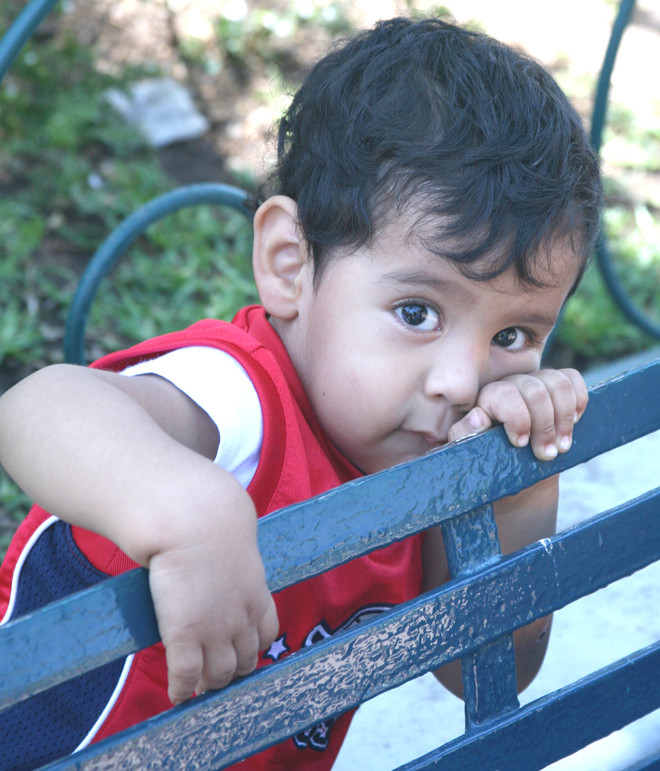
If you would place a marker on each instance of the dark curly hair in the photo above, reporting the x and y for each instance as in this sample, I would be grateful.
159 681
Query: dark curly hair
474 139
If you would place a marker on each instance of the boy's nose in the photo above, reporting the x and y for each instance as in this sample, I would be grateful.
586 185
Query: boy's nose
455 377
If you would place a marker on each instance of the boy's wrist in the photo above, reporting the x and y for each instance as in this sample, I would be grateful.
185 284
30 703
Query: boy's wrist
193 503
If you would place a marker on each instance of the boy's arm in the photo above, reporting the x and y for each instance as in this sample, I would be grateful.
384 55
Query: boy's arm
540 409
130 458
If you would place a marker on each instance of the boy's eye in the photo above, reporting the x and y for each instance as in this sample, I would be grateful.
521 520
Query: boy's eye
419 316
511 338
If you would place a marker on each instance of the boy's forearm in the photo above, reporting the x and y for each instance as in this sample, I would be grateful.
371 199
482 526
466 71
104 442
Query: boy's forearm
88 452
527 517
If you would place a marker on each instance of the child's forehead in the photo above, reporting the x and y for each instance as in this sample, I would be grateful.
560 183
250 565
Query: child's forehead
418 242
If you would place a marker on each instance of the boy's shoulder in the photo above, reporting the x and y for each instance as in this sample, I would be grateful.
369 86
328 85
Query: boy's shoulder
246 334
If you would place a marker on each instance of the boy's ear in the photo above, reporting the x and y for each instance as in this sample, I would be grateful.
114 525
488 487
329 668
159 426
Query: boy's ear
278 256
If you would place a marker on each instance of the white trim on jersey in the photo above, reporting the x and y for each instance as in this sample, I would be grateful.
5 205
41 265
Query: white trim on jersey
111 703
19 566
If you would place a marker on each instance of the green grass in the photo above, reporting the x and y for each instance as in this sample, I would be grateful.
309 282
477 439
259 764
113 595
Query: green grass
14 505
163 284
70 171
594 328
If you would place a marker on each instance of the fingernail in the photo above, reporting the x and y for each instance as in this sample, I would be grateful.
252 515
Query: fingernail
565 443
474 419
550 451
523 440
576 417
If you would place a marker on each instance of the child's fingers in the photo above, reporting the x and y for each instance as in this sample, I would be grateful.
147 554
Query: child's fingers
184 669
269 626
550 398
193 669
473 423
246 647
210 666
540 408
222 663
580 390
568 394
504 402
553 399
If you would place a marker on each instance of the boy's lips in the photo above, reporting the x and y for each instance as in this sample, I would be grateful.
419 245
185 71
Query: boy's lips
427 438
433 439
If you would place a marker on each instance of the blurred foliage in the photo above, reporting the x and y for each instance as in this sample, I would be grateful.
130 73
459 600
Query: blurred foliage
594 328
262 36
14 505
164 284
75 169
70 170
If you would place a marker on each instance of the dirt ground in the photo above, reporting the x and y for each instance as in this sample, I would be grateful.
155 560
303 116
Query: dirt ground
237 95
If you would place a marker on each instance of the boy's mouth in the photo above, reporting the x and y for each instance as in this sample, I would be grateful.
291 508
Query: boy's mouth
434 440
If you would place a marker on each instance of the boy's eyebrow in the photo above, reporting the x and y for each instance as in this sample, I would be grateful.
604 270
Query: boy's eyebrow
423 278
542 320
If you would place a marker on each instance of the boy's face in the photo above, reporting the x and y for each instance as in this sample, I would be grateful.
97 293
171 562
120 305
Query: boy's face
395 344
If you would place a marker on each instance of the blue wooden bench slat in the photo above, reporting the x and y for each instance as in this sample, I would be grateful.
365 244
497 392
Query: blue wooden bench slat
649 762
86 630
488 674
348 521
336 674
557 725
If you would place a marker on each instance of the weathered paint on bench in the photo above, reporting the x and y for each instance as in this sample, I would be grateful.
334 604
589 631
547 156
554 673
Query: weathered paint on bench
471 617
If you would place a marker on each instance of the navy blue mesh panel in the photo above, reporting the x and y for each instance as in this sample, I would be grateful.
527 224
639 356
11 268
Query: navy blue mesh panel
53 723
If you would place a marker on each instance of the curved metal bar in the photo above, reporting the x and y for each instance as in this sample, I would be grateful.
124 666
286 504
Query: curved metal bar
633 313
121 239
626 8
604 258
21 30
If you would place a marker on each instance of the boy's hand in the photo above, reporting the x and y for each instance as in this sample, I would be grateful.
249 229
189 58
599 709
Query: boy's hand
540 409
131 458
214 610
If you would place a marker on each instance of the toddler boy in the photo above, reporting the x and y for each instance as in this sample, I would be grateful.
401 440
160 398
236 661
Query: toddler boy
434 204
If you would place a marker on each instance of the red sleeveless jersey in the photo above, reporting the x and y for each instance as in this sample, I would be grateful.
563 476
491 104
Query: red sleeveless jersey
297 461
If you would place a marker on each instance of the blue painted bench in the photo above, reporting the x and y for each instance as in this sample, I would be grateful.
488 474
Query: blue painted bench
471 617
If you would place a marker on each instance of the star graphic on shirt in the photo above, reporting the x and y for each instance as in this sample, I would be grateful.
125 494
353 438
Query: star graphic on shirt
277 648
